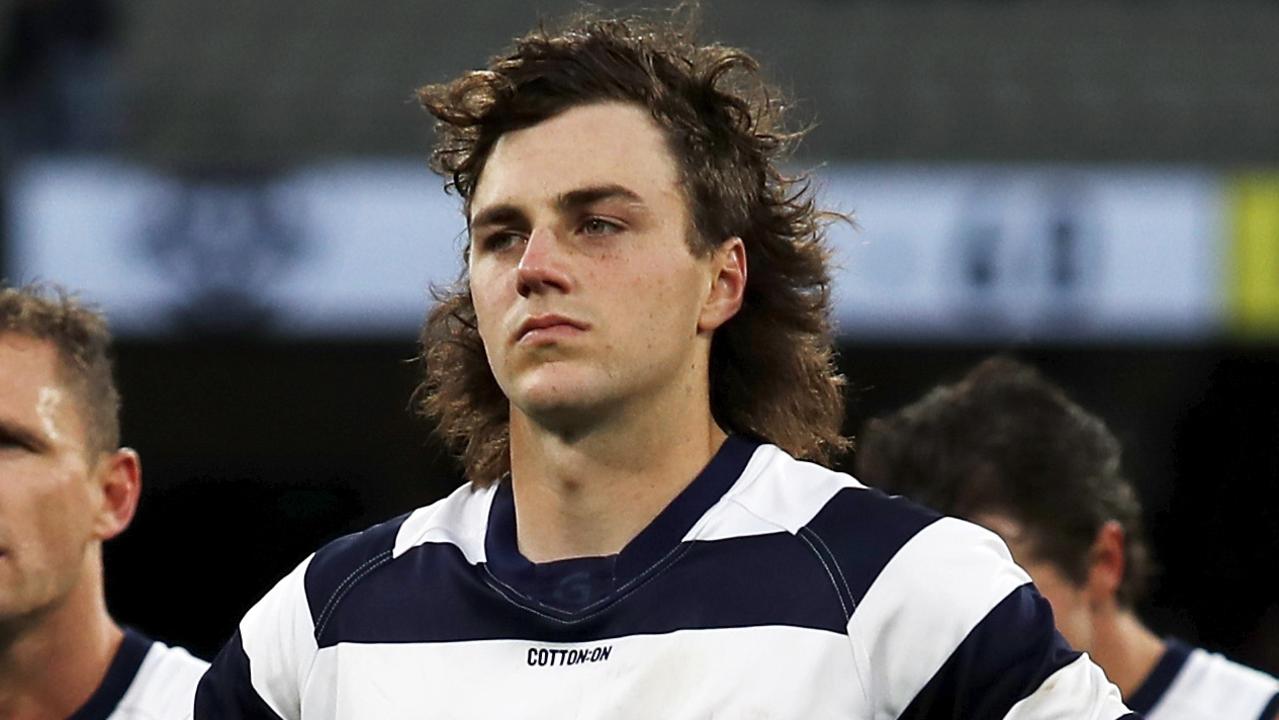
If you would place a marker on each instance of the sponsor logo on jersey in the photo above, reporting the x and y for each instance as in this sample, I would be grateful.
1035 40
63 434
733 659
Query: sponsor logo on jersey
555 657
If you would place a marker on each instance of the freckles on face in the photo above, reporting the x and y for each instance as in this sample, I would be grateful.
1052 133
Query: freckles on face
582 216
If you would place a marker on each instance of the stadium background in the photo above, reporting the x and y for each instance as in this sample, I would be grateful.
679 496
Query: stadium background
263 435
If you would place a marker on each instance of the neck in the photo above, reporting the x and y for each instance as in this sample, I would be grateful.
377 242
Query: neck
1126 649
591 493
51 664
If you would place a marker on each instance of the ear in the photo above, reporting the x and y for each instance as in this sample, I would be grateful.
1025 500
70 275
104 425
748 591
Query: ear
1106 563
728 285
120 481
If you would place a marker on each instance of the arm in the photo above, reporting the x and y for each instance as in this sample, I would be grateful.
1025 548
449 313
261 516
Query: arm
952 629
260 672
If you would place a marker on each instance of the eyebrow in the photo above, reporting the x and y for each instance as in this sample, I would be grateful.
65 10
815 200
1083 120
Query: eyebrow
565 202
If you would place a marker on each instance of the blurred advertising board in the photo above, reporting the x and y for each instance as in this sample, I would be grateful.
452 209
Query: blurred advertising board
1051 253
346 250
1254 255
1018 253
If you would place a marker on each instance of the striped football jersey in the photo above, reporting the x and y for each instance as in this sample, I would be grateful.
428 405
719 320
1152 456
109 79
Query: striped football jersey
1192 684
147 680
769 588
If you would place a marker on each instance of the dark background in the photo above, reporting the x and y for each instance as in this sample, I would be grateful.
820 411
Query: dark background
255 453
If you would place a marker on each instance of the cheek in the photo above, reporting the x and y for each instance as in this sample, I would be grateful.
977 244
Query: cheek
488 306
65 509
55 521
664 297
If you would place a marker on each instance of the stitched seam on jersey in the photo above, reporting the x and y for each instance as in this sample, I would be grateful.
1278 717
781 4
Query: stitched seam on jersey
853 648
345 586
625 591
842 605
852 600
834 584
502 589
744 482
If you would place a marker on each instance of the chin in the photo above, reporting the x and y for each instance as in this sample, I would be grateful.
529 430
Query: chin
559 396
547 404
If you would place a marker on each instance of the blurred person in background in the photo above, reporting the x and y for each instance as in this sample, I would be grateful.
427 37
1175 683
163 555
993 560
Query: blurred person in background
1006 449
638 538
65 488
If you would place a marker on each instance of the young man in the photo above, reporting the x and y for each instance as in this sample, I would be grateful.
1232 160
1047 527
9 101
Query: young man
65 488
1006 449
637 353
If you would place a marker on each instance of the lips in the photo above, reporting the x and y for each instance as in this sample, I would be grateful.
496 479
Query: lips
549 325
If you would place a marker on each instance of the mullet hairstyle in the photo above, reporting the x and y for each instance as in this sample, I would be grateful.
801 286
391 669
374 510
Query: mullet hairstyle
79 332
1004 440
772 368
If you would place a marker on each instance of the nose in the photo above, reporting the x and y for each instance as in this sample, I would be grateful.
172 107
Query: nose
542 266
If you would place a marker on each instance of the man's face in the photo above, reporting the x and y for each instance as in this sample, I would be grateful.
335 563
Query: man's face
586 291
1071 608
47 499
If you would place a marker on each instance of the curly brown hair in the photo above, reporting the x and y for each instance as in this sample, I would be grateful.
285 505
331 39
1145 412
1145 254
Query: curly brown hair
79 332
772 369
1005 440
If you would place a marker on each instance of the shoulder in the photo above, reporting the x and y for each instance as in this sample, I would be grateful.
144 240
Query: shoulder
1192 683
164 686
349 585
357 565
940 620
457 520
779 492
867 536
901 565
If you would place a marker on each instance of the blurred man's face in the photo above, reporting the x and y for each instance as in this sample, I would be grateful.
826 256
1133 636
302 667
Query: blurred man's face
47 500
1071 608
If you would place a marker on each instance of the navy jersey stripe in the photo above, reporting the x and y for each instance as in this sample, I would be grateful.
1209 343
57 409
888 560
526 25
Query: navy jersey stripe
120 674
226 690
341 564
1271 712
737 582
1005 658
595 579
861 530
1176 653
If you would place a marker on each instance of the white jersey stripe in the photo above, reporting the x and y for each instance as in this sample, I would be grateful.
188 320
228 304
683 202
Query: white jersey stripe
280 657
756 506
630 678
1054 699
928 598
458 519
1207 686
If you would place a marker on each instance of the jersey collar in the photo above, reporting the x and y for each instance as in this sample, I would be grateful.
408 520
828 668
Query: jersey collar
124 667
581 583
1157 683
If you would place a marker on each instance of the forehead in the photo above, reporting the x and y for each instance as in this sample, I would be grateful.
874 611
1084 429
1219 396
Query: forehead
28 361
31 380
584 146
